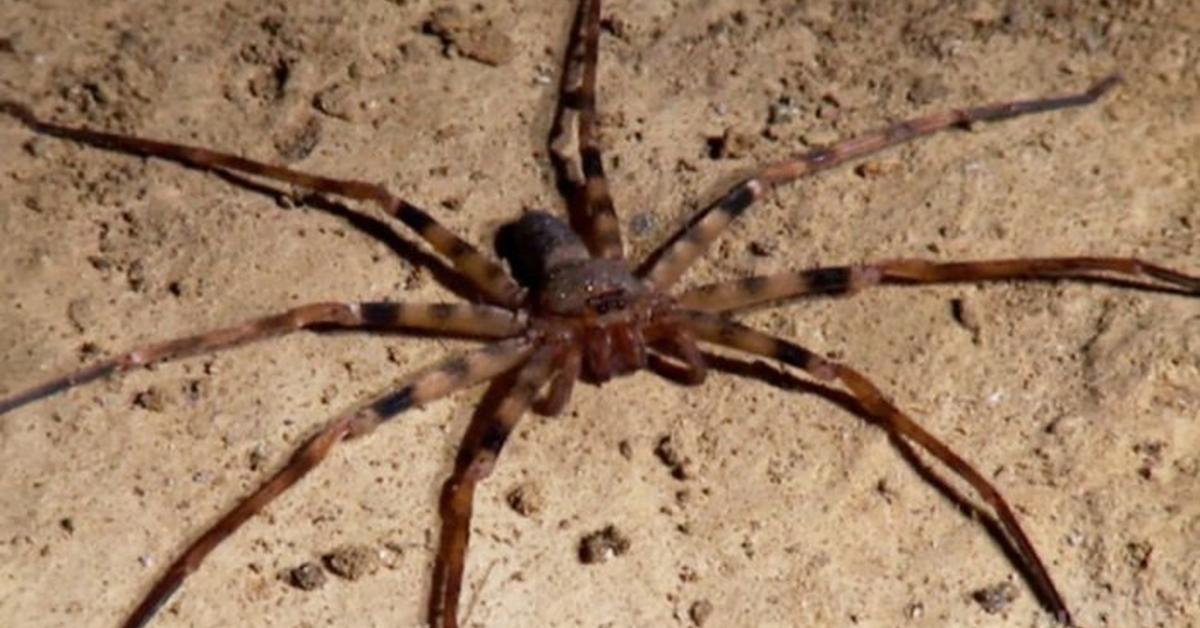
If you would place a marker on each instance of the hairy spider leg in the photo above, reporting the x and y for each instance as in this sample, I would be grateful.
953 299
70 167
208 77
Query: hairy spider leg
460 319
593 213
485 275
737 294
441 379
570 366
477 457
664 266
679 343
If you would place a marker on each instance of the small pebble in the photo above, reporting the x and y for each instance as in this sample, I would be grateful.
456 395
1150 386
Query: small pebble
526 499
603 545
352 561
307 577
996 598
700 611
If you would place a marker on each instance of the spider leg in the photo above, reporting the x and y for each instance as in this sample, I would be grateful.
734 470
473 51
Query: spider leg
441 379
717 330
561 385
476 459
840 280
486 275
596 217
665 265
447 318
681 344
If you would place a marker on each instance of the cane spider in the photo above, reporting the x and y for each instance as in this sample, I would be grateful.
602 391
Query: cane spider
574 307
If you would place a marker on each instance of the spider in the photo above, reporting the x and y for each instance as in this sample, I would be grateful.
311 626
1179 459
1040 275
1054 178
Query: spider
574 307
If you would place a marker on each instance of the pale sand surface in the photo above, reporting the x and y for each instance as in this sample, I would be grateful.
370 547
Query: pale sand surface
1082 402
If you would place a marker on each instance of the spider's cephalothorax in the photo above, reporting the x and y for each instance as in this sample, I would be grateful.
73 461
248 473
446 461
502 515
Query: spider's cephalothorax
572 308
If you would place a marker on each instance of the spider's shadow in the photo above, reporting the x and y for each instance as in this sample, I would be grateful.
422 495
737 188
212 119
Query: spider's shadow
371 226
775 377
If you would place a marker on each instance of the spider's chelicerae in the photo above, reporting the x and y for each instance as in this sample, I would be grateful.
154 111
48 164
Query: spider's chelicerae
572 306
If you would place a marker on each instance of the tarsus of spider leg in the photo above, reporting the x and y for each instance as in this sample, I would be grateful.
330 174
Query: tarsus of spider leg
839 280
440 379
485 275
665 265
478 455
717 330
450 318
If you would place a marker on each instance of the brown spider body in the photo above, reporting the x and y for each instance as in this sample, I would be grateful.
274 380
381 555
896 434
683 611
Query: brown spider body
574 307
594 304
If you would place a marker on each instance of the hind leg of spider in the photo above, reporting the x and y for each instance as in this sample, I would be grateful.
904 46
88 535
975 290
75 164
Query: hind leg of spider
840 280
477 457
717 330
446 318
486 275
593 213
663 267
441 379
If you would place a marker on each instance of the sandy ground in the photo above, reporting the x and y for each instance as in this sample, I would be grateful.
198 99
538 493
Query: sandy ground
1081 402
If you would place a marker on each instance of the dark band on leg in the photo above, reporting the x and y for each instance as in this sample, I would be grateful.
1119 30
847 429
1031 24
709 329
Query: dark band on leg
395 403
741 198
835 280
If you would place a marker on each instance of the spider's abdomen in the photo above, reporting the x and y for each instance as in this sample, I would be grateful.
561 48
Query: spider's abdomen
538 243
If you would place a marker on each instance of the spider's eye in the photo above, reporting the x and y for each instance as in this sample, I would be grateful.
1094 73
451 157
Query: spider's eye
609 301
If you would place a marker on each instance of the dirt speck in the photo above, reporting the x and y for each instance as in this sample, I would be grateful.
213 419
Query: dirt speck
352 561
1151 452
82 312
301 142
308 576
668 452
700 611
996 598
761 248
154 399
603 545
732 144
1138 553
526 499
472 37
928 89
874 168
